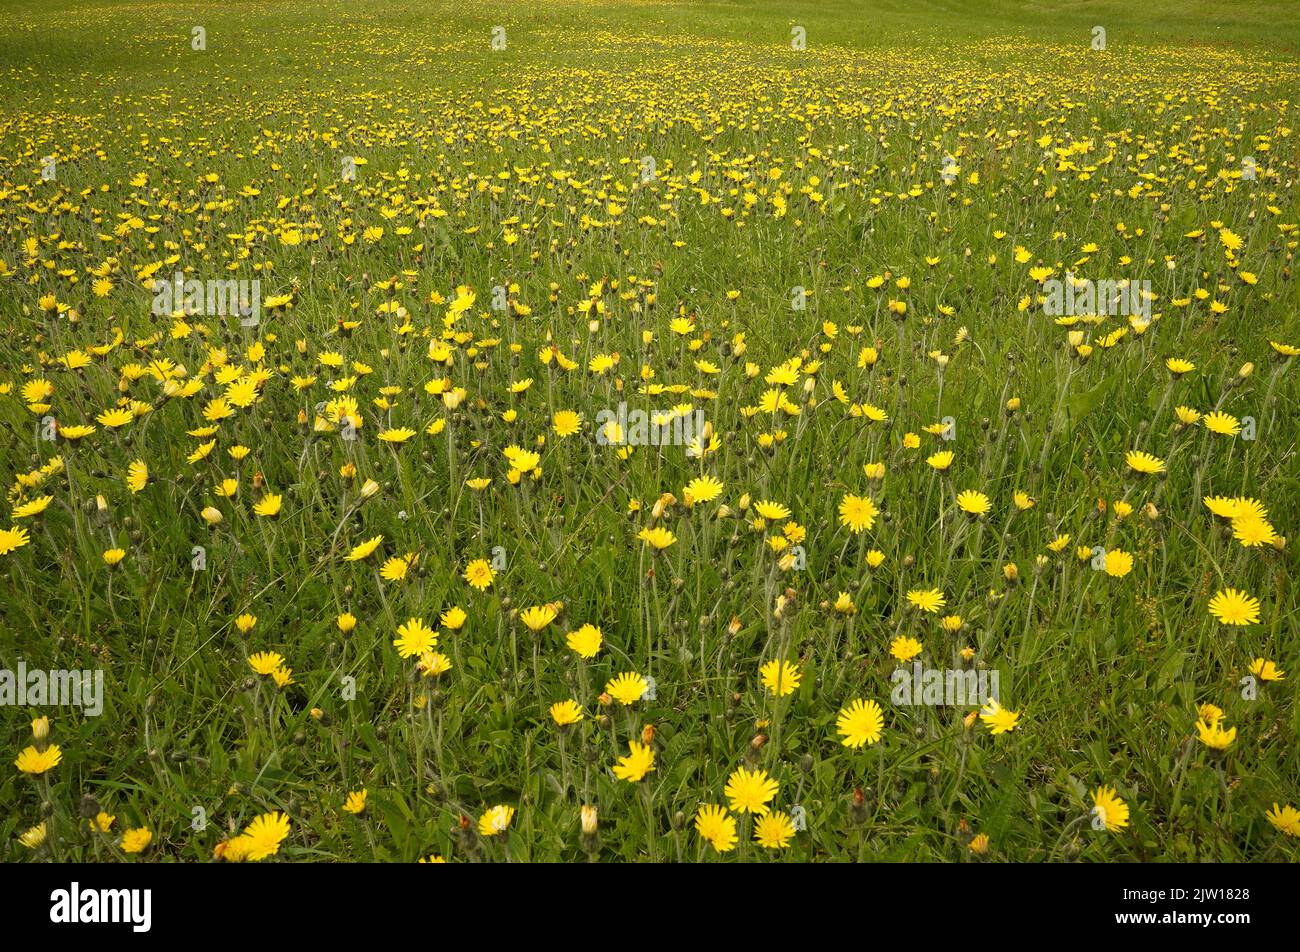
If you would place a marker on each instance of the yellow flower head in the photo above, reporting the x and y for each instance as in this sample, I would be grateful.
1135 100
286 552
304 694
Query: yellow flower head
750 790
627 688
780 677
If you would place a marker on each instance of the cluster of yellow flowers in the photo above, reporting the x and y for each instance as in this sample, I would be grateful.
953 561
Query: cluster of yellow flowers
550 446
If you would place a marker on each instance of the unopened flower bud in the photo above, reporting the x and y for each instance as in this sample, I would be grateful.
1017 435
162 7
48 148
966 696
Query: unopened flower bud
858 807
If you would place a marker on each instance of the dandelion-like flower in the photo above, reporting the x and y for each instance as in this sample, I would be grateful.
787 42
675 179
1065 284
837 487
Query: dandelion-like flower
716 826
639 761
627 688
414 638
750 790
780 677
860 723
33 761
858 513
1233 607
1110 809
998 719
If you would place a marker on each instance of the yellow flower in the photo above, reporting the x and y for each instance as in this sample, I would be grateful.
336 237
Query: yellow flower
1285 820
1221 423
33 837
136 840
1252 531
927 600
414 638
973 502
433 663
201 452
657 538
265 662
356 801
1233 607
479 574
262 837
1118 563
565 713
538 616
33 761
627 688
716 826
1109 809
771 511
860 723
396 568
1209 713
137 476
495 820
37 391
639 762
117 417
364 549
1266 670
1144 462
774 830
780 677
858 512
904 648
268 506
32 507
1214 735
566 423
701 489
586 641
1223 506
997 718
453 618
750 790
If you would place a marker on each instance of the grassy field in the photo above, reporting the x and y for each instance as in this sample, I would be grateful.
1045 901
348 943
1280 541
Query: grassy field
341 559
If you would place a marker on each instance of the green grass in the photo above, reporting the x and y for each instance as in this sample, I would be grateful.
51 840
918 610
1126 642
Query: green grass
522 152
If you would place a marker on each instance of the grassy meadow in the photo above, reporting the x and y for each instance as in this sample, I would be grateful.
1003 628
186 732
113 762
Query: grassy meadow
626 393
